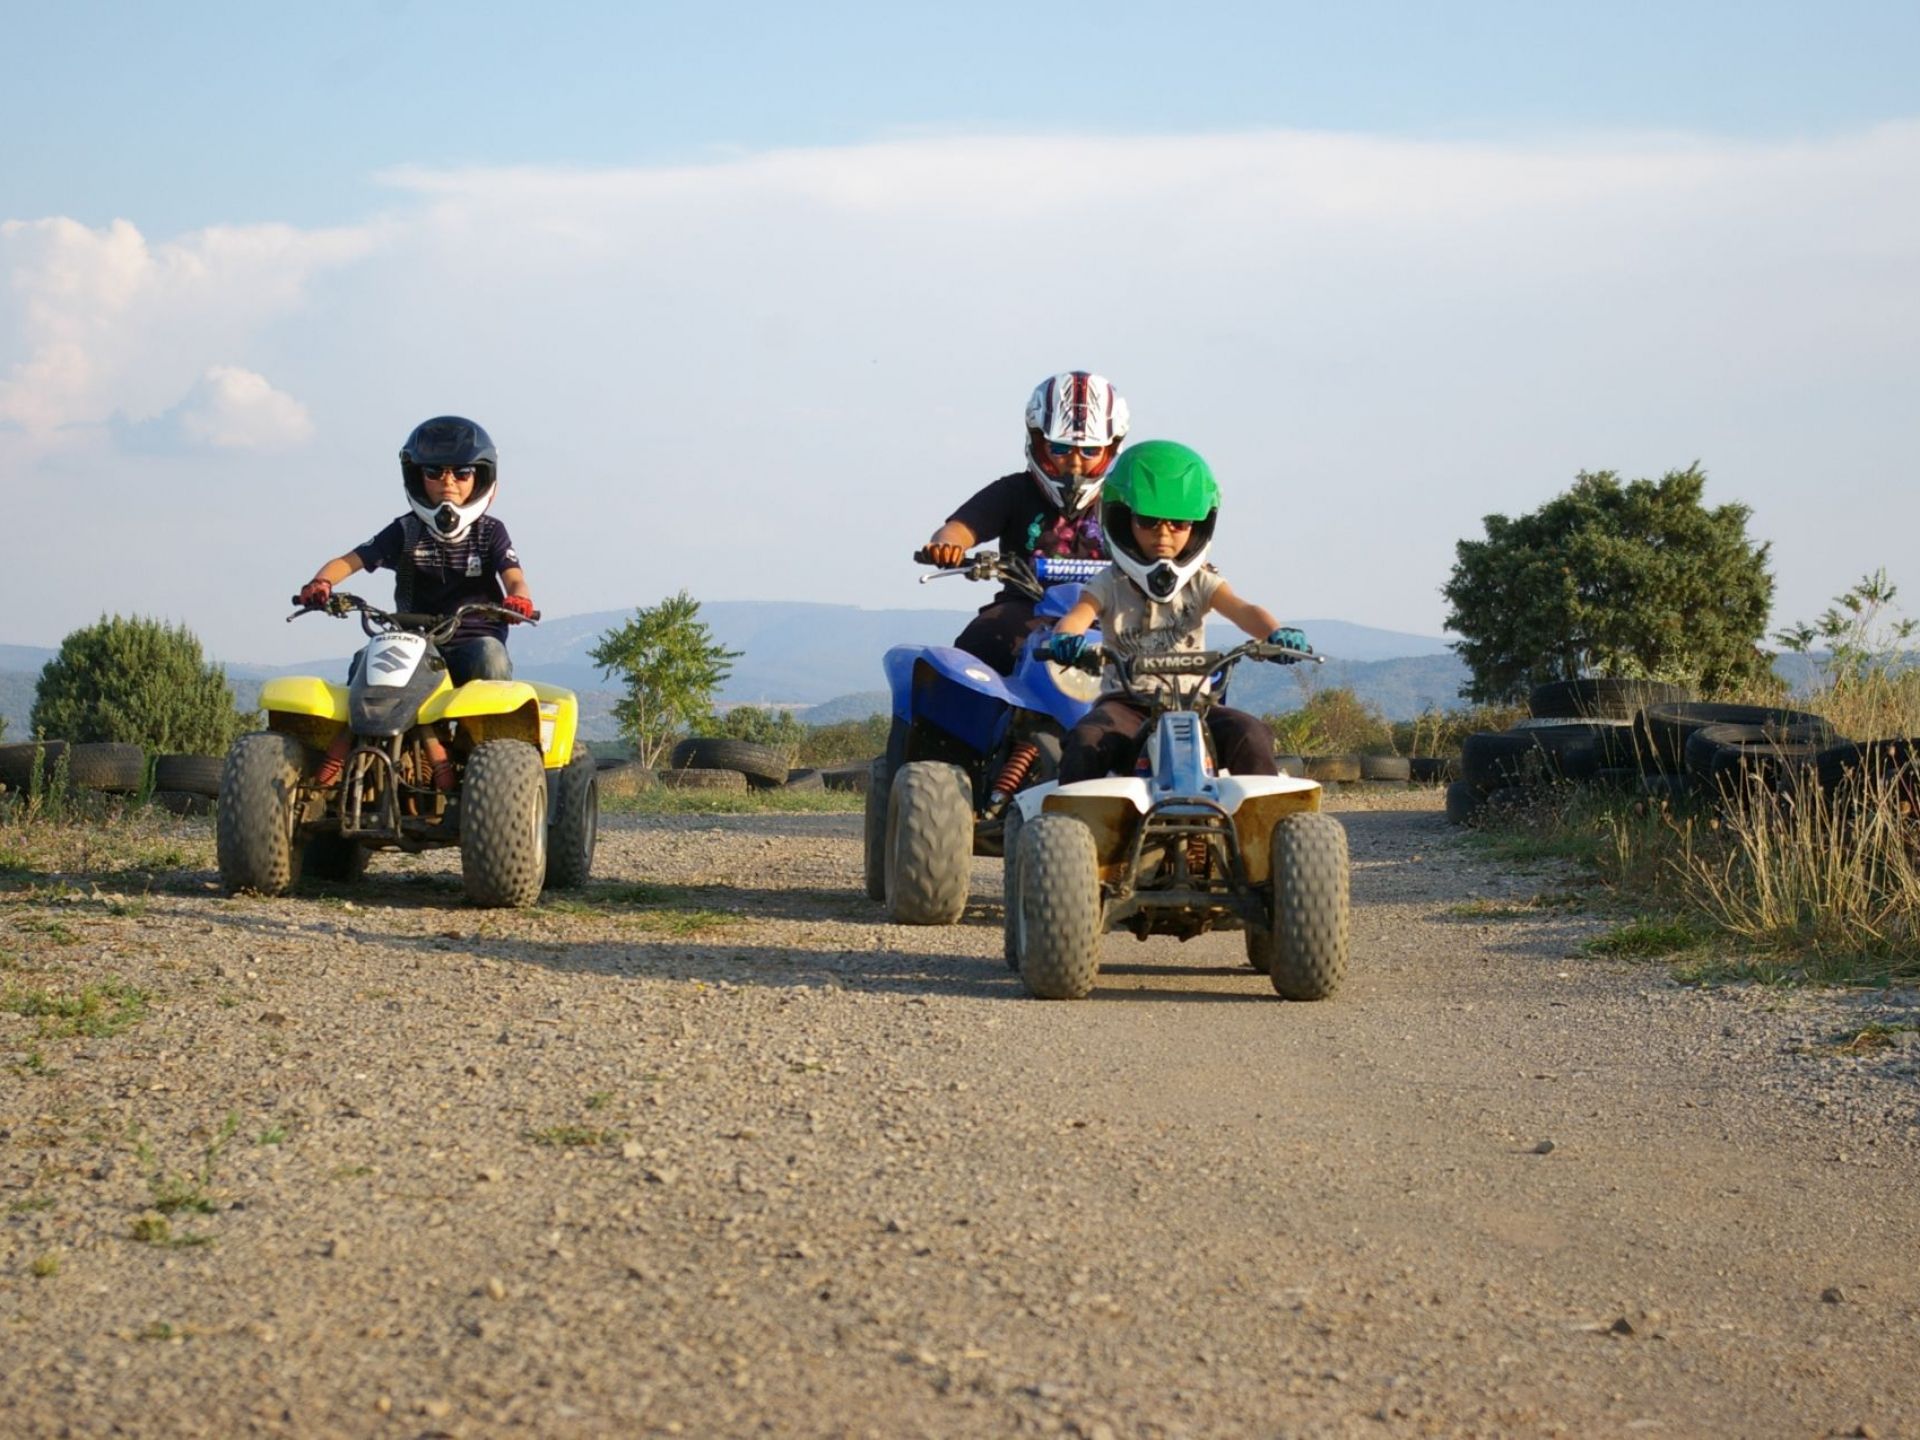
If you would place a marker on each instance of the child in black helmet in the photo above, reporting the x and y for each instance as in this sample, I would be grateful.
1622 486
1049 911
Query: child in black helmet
1075 423
446 551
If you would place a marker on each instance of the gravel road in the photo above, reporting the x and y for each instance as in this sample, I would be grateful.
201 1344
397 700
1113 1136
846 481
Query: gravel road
714 1151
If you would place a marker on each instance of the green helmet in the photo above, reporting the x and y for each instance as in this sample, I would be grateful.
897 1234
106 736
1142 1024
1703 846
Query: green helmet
1161 480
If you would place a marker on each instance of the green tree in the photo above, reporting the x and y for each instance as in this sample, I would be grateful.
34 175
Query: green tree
757 724
141 682
1864 636
1639 580
671 665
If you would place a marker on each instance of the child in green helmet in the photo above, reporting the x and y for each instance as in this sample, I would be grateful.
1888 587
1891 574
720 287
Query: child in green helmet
1158 511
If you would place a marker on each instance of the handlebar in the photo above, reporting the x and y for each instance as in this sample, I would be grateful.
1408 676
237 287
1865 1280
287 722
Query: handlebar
1180 662
1030 577
436 628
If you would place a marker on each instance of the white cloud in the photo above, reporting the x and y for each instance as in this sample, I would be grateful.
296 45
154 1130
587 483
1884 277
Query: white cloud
105 325
234 409
772 375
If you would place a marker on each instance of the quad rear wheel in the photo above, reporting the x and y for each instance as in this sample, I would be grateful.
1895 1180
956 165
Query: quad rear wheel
576 824
1056 924
503 824
254 834
929 850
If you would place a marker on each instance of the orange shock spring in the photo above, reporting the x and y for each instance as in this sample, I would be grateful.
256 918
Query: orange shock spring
1014 773
1199 856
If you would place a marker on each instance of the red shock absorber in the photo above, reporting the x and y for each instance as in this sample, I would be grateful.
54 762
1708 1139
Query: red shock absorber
443 777
336 760
1013 774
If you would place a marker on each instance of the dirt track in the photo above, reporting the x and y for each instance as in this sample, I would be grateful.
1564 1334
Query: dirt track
803 1173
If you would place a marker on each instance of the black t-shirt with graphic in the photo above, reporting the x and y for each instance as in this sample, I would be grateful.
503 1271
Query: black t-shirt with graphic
1015 512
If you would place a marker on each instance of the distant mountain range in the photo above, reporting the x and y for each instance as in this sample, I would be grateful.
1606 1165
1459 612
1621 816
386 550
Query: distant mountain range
823 661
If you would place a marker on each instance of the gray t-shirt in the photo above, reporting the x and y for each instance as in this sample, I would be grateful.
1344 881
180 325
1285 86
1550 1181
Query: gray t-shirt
1132 624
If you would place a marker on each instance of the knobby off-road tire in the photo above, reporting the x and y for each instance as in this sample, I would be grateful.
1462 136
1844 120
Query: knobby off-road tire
576 825
503 824
929 843
334 857
1010 884
253 836
878 784
1307 954
1057 922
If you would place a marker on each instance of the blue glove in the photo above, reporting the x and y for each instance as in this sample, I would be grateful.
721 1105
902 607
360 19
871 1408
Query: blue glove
1067 648
1291 638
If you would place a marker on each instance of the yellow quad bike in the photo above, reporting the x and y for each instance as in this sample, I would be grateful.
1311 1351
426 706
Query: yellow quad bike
523 806
1179 848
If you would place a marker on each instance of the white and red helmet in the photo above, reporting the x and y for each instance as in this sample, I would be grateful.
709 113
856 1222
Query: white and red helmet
1068 412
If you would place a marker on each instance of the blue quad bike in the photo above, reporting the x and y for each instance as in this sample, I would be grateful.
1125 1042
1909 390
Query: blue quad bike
964 741
1177 848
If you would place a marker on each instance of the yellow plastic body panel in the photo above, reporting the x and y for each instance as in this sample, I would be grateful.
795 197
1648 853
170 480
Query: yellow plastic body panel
559 722
306 707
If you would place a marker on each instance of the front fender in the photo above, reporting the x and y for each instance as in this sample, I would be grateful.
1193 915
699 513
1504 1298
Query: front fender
951 690
306 707
490 710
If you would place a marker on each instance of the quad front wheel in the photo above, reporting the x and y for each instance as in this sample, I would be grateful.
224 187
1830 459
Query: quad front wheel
1306 945
1056 937
929 843
503 824
254 834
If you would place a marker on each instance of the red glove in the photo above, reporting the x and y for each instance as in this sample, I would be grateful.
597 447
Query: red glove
947 557
314 594
521 605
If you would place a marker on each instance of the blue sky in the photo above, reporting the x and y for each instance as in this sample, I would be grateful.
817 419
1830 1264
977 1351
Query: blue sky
736 294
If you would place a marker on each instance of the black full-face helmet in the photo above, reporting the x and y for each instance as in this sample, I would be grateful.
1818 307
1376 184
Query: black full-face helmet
449 440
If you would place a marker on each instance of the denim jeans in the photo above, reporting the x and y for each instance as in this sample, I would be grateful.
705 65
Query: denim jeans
484 658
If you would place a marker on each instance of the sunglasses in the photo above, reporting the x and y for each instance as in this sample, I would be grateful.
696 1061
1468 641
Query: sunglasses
1149 522
1060 449
440 472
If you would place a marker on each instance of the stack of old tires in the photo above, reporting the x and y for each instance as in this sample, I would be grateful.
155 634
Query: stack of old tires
41 765
738 765
187 784
1578 731
1649 737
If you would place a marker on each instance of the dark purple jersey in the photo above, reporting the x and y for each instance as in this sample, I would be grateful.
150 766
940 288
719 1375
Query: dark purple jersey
436 577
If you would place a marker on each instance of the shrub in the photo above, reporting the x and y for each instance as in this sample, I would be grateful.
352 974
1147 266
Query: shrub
141 682
1334 721
845 741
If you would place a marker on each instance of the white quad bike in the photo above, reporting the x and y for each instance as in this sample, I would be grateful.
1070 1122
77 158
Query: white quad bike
1178 849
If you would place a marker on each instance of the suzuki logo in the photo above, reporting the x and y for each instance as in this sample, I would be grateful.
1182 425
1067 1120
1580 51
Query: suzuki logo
389 661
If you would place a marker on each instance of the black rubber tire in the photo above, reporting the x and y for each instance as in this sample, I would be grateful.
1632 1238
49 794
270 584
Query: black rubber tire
253 836
1463 802
1010 884
1661 731
574 830
193 774
1294 765
1057 925
183 802
1665 789
698 779
847 777
764 766
1605 698
334 857
1307 945
806 778
929 843
503 824
1430 769
1333 769
1494 760
101 765
16 762
623 778
875 829
1726 758
1385 767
